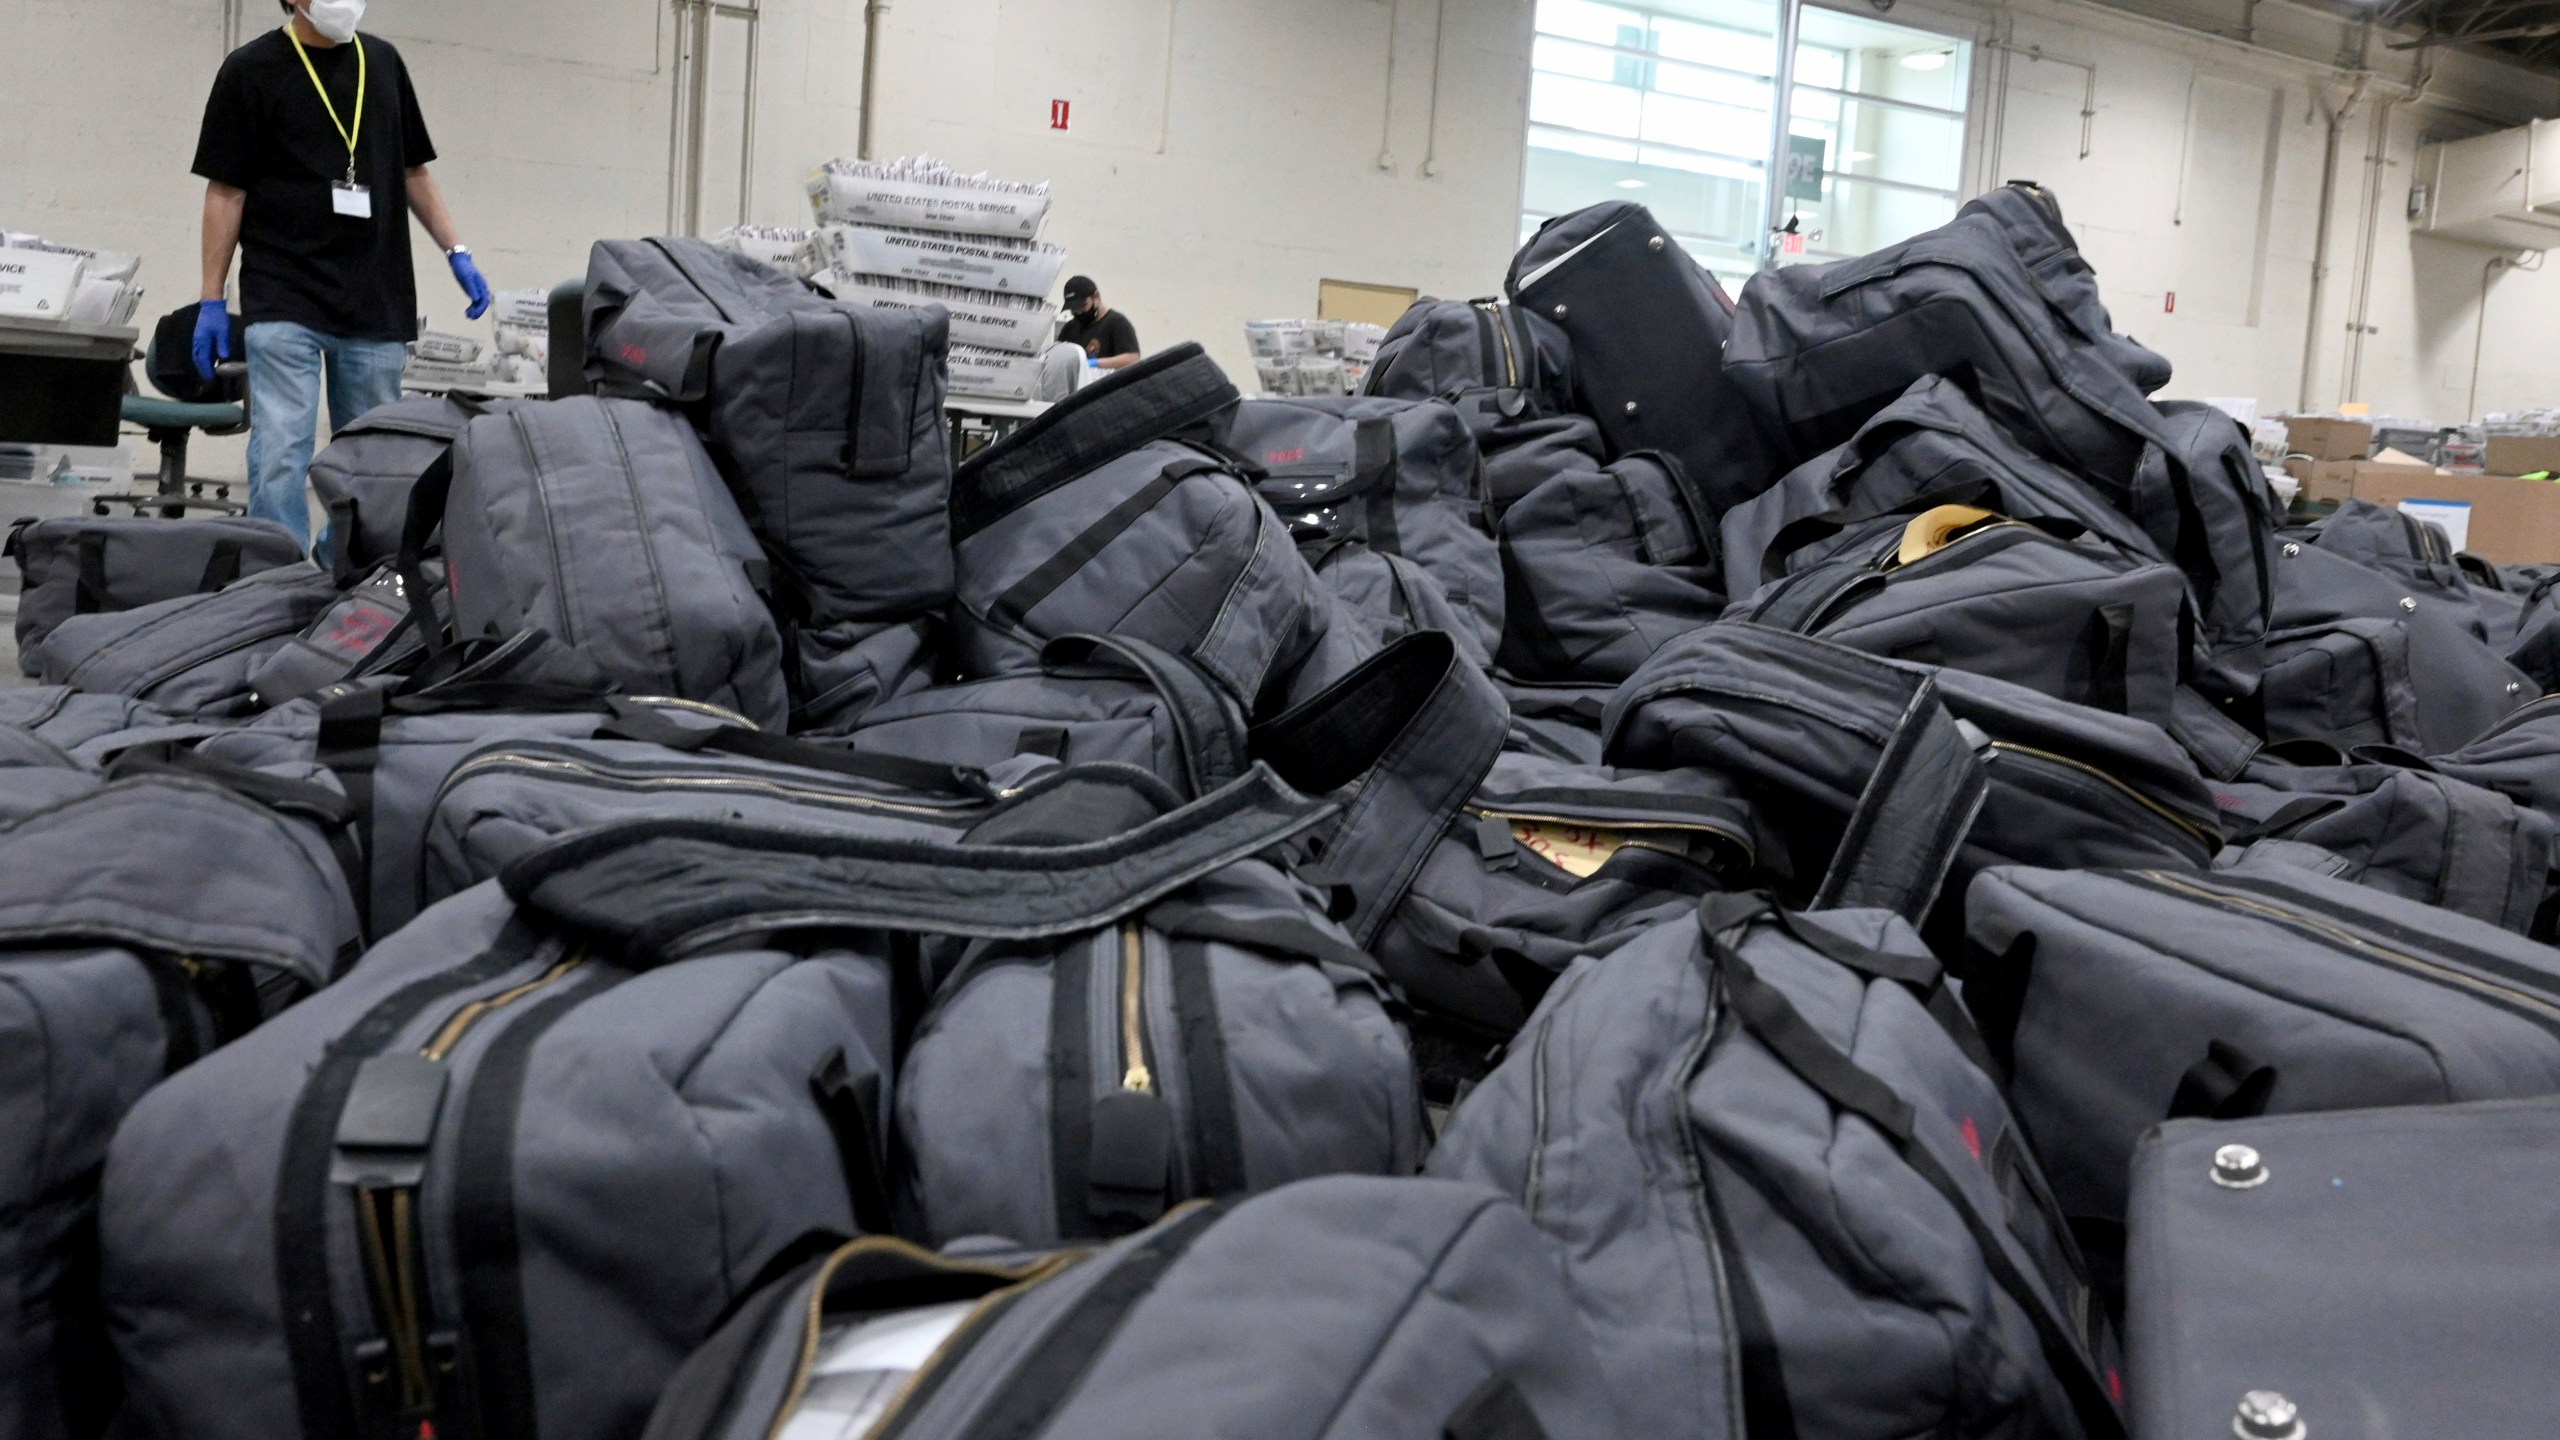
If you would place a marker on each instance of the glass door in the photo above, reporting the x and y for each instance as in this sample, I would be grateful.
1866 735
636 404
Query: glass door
1670 103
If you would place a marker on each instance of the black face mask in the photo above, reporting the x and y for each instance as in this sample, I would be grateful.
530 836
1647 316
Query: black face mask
1084 309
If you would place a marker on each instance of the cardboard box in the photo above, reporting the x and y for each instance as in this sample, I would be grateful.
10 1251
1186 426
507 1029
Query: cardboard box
2513 522
2522 454
2324 438
2336 480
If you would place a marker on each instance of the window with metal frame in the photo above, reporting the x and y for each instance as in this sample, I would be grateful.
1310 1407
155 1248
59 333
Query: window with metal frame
1669 104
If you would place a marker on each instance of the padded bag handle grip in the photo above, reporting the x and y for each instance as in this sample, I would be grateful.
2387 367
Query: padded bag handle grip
1424 725
660 889
1911 819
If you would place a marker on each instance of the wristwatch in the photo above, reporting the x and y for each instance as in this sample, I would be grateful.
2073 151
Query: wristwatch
457 250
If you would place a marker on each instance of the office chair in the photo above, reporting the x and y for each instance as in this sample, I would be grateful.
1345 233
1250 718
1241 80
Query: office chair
168 424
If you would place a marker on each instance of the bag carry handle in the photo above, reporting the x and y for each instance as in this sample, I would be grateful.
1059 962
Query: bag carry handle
1208 722
660 889
427 501
1918 805
1425 726
2068 1342
634 720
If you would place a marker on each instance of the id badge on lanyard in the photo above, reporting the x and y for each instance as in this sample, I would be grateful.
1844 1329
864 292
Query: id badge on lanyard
346 197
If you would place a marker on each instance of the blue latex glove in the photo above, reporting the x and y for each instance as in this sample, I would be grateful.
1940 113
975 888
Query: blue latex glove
467 275
213 337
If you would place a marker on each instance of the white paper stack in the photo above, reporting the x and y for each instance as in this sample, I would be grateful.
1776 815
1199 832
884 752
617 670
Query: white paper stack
922 193
40 281
439 348
1311 357
971 262
783 248
523 309
900 234
1017 324
994 374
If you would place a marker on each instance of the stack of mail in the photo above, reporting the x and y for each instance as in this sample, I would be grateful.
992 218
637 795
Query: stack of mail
905 233
783 248
1311 357
44 281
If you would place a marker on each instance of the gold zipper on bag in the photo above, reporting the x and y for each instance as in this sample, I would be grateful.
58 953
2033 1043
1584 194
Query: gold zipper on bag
1133 1027
1579 847
2211 837
504 759
2464 979
387 1218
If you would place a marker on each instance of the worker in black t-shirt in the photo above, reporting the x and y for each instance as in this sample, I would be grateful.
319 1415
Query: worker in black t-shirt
1101 332
314 156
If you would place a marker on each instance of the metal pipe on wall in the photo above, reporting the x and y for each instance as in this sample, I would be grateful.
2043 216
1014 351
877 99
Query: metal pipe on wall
872 10
1782 89
2377 160
2337 123
1431 126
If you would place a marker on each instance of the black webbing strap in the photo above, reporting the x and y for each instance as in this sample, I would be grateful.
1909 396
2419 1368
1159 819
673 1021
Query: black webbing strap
1007 610
1424 726
852 1109
1208 722
2227 1084
90 597
1812 596
1911 819
349 746
427 501
1374 460
1529 643
220 568
634 720
2293 814
660 888
1217 1137
1167 392
1774 1021
2108 642
1028 1398
1188 920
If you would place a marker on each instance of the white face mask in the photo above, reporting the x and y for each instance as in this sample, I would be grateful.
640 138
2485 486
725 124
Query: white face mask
336 19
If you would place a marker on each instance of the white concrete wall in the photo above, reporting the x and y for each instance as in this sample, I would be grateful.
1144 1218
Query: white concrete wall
2203 181
1225 155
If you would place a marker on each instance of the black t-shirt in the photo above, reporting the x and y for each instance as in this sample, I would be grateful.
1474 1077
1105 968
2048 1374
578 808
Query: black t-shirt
1111 335
266 132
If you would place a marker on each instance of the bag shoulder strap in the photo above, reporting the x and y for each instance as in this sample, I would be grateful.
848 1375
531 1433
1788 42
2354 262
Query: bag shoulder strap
661 889
1208 722
1419 728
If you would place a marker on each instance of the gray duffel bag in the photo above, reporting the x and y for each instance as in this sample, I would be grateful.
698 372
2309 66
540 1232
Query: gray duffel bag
1791 1197
509 1172
194 655
363 477
826 417
1548 862
2420 835
1221 1043
1603 567
1115 513
2377 1272
2039 603
145 922
2121 999
1378 1309
1398 477
94 564
2032 219
602 523
1096 698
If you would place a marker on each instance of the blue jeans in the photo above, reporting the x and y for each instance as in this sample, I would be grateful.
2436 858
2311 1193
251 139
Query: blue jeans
285 362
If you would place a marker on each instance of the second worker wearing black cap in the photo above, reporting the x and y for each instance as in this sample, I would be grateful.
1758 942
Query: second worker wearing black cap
1104 334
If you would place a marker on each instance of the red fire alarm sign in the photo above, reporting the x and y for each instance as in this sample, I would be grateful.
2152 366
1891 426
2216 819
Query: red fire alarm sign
1057 114
2171 306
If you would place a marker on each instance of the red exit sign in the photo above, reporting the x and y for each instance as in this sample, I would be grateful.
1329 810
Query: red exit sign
1057 114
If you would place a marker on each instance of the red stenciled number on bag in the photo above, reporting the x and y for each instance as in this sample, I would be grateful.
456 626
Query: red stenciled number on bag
635 354
1972 1140
357 631
1283 457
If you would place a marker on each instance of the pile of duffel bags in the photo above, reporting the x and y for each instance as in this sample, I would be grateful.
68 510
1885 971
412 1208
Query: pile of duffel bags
1811 868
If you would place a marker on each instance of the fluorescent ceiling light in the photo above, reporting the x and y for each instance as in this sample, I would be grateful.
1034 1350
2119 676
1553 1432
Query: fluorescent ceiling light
1857 157
1925 60
1630 184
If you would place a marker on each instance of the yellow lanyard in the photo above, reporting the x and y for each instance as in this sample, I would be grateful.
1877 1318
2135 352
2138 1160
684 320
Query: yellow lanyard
344 133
